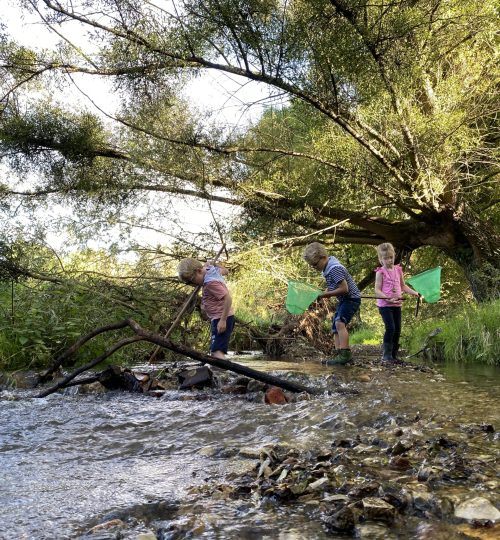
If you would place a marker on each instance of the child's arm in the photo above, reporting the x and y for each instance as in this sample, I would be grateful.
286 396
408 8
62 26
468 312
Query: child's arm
342 288
379 282
221 325
407 289
223 271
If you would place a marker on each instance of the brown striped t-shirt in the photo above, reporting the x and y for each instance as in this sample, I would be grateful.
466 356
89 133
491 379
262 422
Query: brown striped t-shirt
212 299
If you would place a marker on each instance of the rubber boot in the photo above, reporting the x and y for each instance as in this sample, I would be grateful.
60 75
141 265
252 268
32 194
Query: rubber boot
331 361
387 356
344 357
395 349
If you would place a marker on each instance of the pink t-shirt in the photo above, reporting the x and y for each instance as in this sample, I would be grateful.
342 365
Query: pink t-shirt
391 285
212 299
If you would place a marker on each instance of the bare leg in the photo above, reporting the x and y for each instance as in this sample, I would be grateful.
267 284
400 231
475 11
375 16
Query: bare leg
218 354
337 341
343 335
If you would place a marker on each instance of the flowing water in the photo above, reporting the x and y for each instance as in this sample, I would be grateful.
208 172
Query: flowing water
71 461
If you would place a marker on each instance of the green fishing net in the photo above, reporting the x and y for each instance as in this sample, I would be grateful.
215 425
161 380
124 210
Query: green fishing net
428 284
300 296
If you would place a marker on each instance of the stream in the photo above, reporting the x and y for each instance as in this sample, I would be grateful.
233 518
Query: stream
72 461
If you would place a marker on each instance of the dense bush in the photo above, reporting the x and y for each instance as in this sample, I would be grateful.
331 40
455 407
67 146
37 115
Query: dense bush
471 334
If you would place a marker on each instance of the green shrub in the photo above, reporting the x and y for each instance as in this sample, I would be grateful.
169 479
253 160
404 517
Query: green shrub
366 335
471 334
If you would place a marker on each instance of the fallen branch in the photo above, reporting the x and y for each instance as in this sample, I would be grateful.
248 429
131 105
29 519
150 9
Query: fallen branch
146 335
72 350
94 362
217 362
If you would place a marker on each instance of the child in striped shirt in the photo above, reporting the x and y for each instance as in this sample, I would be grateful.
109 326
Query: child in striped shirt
341 285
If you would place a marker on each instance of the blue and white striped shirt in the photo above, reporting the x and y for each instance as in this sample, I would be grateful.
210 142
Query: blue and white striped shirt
334 273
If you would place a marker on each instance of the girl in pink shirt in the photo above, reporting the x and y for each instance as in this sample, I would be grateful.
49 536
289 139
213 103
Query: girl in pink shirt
389 288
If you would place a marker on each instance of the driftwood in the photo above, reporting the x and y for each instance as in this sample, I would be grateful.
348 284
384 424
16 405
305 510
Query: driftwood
90 365
46 375
142 334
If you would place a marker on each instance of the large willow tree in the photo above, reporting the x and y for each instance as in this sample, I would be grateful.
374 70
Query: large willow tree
391 127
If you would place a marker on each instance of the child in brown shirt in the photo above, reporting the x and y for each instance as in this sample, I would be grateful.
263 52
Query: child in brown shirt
216 300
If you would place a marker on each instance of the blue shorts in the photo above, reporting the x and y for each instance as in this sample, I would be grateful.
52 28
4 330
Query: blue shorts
345 311
220 342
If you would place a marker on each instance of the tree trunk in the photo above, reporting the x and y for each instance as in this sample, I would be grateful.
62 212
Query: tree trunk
464 237
477 251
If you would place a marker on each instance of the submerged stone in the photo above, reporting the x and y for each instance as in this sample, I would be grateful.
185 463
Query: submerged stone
478 508
341 521
376 509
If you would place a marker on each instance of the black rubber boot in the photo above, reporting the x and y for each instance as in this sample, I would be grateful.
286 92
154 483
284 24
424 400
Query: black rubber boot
387 356
395 349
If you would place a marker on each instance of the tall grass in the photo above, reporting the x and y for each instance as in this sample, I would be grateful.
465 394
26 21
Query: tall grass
472 334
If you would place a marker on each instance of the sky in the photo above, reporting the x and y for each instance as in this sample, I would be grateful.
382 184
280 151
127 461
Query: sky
226 96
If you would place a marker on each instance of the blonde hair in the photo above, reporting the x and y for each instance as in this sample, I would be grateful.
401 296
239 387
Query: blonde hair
187 269
385 249
314 252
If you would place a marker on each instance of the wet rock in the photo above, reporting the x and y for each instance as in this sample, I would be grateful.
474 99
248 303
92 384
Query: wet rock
250 453
322 483
156 393
365 490
117 378
111 524
234 389
372 531
265 469
422 500
336 498
399 500
398 432
242 381
477 509
92 388
442 507
344 443
400 447
201 377
147 536
256 386
441 442
146 512
275 396
425 473
480 428
25 379
341 521
490 533
400 463
376 509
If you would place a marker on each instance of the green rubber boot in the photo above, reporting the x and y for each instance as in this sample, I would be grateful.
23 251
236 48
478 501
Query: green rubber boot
344 357
330 361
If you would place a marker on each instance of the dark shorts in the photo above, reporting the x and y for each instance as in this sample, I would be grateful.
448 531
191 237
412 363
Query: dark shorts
220 342
345 311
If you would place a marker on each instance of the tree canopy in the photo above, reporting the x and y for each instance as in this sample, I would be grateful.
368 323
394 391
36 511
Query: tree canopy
388 132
